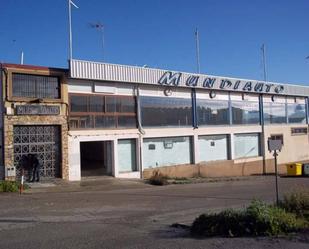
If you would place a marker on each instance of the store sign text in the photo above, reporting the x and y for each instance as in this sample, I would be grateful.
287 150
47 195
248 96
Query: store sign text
175 79
37 110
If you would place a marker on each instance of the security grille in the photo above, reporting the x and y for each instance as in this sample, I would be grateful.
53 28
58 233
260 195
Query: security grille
42 141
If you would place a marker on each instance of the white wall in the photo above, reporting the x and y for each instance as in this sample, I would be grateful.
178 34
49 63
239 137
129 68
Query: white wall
166 151
213 148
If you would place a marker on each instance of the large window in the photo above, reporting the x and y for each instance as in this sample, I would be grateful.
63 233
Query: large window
35 86
127 155
100 111
297 113
166 151
246 145
274 113
213 148
166 111
245 112
212 112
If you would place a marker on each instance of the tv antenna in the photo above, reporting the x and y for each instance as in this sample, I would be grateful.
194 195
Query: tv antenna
100 27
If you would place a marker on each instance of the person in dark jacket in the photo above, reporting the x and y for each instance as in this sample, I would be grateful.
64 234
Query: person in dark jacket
34 162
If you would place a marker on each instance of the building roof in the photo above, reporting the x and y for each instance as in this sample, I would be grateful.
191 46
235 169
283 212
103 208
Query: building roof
88 70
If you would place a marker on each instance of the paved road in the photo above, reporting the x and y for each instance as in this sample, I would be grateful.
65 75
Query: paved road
126 214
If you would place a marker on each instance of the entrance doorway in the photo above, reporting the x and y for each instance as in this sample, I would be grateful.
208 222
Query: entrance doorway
96 158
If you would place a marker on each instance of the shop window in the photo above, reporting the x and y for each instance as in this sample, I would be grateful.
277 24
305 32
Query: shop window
297 113
102 111
35 86
245 112
212 112
170 151
275 113
127 155
213 148
166 111
247 145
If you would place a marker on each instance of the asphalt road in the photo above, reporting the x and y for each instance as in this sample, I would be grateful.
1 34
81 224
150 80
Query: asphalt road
111 213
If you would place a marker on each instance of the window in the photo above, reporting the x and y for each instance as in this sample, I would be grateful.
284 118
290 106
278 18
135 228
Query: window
297 113
100 111
212 112
127 155
35 86
247 145
213 148
166 111
299 131
245 112
168 151
274 113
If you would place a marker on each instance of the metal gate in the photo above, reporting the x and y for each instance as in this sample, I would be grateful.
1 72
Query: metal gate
42 141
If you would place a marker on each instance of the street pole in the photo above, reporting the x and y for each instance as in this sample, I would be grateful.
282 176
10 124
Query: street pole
197 43
70 32
276 172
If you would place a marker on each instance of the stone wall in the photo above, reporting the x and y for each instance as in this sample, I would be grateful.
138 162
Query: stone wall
11 120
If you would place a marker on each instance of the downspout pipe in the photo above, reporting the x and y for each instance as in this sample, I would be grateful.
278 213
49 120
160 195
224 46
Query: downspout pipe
263 140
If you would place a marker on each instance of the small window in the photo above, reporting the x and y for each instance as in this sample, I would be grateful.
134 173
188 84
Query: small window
35 86
277 137
299 131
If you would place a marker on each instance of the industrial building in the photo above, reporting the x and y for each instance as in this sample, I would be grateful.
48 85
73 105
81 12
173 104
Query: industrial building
104 119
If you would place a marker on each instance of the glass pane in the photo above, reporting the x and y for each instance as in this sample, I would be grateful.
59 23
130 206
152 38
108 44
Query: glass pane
212 112
127 104
23 85
79 103
96 104
246 145
36 86
105 122
127 155
212 148
297 113
85 122
127 121
166 111
111 103
274 113
245 112
166 151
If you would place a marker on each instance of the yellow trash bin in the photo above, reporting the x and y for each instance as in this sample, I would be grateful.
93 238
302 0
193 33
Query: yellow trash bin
294 169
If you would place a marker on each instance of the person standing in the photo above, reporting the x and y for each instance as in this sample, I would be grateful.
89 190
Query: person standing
35 164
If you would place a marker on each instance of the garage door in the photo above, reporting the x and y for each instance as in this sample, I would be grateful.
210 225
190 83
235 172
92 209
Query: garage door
42 141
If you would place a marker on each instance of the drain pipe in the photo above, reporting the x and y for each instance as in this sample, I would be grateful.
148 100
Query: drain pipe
263 133
140 128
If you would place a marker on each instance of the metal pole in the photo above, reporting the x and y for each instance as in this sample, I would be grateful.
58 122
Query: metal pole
276 172
70 32
103 42
197 42
262 111
22 58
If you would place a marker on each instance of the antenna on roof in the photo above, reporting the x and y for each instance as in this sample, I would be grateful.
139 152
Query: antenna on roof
263 48
197 43
100 27
22 58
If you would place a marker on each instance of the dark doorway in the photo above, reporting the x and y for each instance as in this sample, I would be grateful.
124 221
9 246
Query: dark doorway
96 158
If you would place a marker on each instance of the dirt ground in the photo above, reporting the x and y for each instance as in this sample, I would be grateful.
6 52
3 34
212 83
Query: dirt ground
112 213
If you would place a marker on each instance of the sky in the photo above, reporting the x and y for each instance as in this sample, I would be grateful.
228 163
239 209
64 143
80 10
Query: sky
160 34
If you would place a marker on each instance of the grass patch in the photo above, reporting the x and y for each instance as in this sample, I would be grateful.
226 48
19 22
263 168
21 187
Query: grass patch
9 186
258 219
297 201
